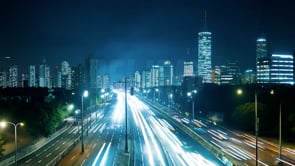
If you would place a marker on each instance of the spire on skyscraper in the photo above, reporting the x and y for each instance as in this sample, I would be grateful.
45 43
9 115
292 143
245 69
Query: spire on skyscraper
44 60
205 23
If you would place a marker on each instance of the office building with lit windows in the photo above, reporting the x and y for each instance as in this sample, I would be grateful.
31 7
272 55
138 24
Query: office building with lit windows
261 47
32 76
168 73
276 69
262 59
188 68
155 76
282 69
204 56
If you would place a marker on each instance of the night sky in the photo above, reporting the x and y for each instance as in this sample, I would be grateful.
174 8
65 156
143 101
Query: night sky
141 33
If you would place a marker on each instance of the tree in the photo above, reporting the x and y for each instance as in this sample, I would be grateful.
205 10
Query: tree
2 142
244 115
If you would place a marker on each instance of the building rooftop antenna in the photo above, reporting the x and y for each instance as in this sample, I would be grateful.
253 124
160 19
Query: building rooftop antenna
205 25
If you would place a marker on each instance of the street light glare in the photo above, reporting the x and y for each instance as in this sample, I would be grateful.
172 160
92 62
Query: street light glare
239 91
85 94
2 124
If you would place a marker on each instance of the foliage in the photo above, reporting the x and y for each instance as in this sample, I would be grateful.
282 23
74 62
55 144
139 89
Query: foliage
291 119
2 142
244 116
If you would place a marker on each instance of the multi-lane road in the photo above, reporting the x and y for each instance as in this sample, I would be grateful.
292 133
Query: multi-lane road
153 139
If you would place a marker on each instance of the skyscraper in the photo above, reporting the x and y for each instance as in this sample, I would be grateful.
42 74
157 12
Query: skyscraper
276 69
32 76
204 55
261 49
188 68
168 73
282 69
155 76
44 75
13 76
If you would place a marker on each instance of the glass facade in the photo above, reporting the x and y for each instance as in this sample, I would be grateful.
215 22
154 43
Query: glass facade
276 69
282 69
204 56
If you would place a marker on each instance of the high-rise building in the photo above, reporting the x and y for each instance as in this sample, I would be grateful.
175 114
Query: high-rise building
91 73
263 70
204 55
66 75
78 77
188 68
276 69
261 48
3 79
282 69
13 76
146 79
155 76
137 79
168 73
161 76
248 77
261 58
32 76
44 75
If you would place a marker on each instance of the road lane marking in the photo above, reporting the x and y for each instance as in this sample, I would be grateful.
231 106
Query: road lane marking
48 155
73 157
83 162
94 146
28 160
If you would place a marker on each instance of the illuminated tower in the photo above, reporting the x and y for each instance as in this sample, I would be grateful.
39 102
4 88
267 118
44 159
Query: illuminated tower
204 55
261 47
188 68
32 76
168 73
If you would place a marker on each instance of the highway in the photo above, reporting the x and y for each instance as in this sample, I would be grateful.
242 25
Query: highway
151 140
239 145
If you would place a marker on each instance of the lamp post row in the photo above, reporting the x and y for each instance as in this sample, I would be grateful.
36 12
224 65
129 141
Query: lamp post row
3 124
239 91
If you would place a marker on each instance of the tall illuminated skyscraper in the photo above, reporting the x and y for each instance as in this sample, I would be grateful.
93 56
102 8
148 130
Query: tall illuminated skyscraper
261 49
32 76
204 55
261 58
188 68
168 73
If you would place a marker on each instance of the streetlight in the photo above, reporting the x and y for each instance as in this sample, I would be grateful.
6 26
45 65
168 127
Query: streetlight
240 92
272 92
170 100
76 119
85 94
191 96
3 124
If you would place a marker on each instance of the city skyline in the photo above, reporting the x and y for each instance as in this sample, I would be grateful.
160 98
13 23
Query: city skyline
141 33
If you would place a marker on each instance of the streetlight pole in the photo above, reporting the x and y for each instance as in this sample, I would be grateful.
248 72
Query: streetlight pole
126 134
193 108
85 94
256 129
15 137
280 132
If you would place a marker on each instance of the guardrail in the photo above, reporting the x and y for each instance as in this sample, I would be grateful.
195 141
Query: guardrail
22 153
